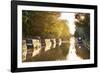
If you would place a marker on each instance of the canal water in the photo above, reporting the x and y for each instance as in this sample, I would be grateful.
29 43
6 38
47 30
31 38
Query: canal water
70 17
72 51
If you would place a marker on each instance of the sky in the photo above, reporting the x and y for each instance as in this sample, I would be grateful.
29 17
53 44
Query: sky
70 17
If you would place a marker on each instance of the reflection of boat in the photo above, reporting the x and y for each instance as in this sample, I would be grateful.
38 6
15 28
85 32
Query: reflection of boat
33 47
53 41
37 45
58 42
24 50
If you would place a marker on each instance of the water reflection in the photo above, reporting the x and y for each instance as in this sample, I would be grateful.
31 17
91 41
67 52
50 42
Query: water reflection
72 51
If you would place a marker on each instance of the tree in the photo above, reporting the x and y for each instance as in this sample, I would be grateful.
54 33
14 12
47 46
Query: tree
44 24
83 31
